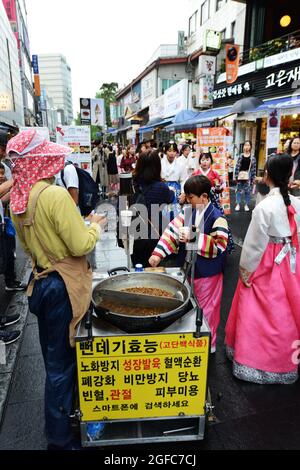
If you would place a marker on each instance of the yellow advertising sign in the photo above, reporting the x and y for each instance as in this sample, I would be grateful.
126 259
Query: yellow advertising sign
132 377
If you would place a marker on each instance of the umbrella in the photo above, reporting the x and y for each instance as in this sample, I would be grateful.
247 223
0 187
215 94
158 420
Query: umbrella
246 104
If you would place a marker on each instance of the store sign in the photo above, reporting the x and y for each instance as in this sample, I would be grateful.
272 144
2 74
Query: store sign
282 81
234 90
176 98
148 90
232 62
212 40
206 65
135 377
206 88
78 138
98 117
273 131
136 93
85 111
218 141
157 108
35 65
281 78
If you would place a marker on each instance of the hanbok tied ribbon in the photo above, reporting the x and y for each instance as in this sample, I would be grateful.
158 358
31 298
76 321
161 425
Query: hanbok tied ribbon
290 246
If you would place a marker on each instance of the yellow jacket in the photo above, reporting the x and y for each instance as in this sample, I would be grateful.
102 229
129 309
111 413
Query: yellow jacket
59 226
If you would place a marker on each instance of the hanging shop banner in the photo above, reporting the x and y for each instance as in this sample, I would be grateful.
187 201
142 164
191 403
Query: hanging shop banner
232 62
136 377
98 112
273 131
78 138
217 141
85 111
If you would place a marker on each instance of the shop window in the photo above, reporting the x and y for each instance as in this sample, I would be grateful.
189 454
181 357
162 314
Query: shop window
205 11
223 34
193 23
220 4
165 84
233 24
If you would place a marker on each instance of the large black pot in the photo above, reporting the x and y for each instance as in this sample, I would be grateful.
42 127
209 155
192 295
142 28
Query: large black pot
140 324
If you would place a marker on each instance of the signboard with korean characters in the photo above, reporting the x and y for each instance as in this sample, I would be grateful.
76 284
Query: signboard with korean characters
78 138
268 83
217 141
136 377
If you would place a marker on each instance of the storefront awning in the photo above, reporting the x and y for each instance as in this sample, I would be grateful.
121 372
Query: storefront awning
155 123
181 123
286 102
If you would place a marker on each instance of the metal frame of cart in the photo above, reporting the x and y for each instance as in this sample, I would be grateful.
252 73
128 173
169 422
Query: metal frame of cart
184 424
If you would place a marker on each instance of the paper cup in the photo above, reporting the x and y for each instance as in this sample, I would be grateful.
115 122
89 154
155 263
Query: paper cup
126 217
184 232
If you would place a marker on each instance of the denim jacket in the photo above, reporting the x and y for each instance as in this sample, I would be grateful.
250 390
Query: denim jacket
252 168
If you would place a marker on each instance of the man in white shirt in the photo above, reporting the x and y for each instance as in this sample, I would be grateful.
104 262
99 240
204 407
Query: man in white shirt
70 181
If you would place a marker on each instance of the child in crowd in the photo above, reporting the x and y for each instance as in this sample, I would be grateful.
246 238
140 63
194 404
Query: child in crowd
212 238
205 169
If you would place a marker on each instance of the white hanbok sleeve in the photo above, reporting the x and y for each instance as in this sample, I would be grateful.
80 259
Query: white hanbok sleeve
256 240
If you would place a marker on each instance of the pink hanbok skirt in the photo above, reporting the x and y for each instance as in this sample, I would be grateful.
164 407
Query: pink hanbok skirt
208 291
263 327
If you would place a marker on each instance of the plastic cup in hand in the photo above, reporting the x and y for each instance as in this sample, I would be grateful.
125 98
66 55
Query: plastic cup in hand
126 217
184 233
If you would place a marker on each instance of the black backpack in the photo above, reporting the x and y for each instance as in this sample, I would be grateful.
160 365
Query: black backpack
88 191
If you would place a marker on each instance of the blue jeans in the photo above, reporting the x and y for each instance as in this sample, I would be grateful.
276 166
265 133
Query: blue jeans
243 187
50 303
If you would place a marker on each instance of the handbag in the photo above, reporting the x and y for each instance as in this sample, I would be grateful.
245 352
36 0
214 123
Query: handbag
243 176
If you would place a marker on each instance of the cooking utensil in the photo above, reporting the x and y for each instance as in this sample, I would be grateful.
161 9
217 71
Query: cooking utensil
141 300
139 323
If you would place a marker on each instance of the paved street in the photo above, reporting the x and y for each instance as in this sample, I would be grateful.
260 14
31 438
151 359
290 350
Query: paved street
248 416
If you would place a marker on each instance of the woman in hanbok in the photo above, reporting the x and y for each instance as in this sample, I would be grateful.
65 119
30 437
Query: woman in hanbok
263 328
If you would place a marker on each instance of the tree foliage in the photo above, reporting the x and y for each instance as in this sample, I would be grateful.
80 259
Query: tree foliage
108 92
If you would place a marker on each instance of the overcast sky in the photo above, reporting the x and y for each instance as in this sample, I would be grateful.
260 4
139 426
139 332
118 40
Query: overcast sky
104 40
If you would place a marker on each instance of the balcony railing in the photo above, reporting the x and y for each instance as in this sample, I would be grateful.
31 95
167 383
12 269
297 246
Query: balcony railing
275 46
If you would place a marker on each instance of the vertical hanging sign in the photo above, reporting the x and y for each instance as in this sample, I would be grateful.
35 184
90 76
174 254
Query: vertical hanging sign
273 131
232 62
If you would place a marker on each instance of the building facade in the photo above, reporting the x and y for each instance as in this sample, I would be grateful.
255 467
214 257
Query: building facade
224 16
55 76
17 15
11 98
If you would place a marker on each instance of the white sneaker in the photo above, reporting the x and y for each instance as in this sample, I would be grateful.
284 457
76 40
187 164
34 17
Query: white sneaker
237 207
213 349
246 208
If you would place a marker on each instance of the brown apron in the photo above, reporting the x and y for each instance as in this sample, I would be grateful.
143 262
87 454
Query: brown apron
75 272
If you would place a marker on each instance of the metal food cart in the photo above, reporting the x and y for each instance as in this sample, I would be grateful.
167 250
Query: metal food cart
145 387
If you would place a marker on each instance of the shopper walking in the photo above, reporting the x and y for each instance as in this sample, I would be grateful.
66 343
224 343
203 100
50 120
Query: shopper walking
245 172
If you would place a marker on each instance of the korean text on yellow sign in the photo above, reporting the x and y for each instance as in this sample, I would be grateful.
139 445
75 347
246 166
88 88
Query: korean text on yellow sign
131 377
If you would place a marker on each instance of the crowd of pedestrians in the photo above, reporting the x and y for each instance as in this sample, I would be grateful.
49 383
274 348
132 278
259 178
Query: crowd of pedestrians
186 187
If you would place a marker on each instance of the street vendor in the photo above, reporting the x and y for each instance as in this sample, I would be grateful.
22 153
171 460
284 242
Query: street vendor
56 238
